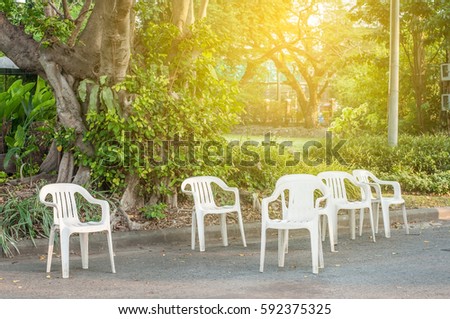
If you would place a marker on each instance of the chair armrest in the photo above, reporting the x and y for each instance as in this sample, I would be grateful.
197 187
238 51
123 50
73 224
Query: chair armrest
367 194
183 188
265 204
234 190
377 189
104 205
395 186
49 204
320 200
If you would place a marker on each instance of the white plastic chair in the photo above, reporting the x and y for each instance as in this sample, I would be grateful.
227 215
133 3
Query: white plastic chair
335 180
204 203
66 220
301 211
365 176
329 213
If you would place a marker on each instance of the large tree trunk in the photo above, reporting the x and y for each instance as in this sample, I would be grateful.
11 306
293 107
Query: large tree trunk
102 48
69 114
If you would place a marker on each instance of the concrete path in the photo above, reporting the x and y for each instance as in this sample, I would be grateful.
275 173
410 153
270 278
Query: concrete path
162 265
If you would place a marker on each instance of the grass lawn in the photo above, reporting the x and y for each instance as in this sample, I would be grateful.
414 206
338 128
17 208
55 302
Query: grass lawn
297 142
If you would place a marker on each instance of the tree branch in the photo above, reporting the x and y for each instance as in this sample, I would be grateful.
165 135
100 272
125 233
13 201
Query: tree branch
19 47
203 9
79 23
90 38
67 14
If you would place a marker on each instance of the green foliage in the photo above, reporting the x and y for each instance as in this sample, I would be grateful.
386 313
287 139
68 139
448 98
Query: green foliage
12 99
179 99
20 107
419 163
3 177
353 122
22 218
424 39
65 138
259 167
31 15
154 211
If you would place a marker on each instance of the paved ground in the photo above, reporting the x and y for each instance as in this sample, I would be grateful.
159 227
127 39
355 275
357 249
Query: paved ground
164 266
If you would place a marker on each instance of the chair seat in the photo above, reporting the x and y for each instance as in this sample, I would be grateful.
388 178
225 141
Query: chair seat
393 201
284 224
351 205
89 227
219 210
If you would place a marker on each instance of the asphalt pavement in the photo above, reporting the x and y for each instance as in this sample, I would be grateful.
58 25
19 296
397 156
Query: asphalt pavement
161 264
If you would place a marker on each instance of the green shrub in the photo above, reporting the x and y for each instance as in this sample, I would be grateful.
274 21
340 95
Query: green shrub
154 211
23 218
419 163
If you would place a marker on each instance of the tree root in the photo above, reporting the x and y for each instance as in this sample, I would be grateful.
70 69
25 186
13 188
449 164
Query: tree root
32 179
120 215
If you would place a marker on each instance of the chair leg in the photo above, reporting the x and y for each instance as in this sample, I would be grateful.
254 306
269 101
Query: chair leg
335 226
321 262
405 218
361 220
332 232
281 246
201 232
377 216
263 248
352 223
324 226
372 226
314 237
84 248
51 242
64 242
193 229
111 253
286 241
386 220
223 229
241 228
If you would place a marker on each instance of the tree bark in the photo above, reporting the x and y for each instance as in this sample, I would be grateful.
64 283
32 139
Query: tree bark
180 12
51 161
116 41
130 199
66 167
19 47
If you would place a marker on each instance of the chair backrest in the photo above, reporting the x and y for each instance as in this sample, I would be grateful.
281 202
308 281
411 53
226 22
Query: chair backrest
335 180
363 176
300 203
63 200
201 190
